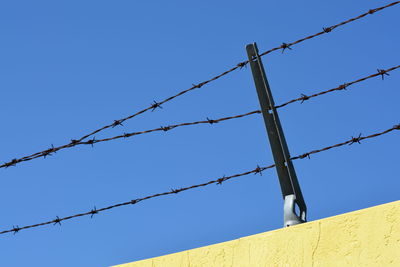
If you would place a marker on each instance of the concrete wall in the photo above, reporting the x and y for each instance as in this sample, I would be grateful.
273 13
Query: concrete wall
369 237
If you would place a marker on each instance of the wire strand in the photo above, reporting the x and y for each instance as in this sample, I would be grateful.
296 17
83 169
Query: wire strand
239 65
156 105
257 170
341 87
50 151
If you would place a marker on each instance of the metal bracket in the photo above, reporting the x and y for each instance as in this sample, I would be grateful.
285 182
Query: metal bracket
287 176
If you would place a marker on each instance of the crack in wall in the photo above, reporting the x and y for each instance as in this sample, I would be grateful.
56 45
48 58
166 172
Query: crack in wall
316 245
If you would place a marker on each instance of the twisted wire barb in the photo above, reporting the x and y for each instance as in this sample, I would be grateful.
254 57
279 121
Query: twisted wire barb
257 170
303 98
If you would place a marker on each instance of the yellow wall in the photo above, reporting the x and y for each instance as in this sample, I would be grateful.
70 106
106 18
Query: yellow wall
369 237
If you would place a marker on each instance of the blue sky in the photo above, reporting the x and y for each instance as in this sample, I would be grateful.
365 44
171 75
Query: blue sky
67 68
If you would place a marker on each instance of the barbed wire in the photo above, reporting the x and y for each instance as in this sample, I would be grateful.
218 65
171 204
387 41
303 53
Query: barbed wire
257 170
239 65
344 86
285 46
156 104
52 149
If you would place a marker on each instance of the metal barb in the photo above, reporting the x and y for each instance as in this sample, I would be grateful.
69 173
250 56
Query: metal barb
285 46
343 86
383 73
74 142
16 229
258 170
166 128
355 139
327 29
221 180
57 220
242 64
211 121
13 162
305 155
304 98
155 105
49 151
91 141
199 85
175 191
93 212
116 123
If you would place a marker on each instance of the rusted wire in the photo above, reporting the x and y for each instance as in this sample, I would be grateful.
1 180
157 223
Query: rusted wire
352 140
170 127
257 170
341 87
153 106
93 141
325 30
239 65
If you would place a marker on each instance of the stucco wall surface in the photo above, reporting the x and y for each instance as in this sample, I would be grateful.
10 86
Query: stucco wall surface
369 237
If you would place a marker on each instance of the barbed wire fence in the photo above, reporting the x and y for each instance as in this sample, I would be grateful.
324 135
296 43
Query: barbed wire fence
52 150
257 170
155 105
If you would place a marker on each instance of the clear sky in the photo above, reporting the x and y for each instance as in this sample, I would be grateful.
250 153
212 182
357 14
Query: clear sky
69 67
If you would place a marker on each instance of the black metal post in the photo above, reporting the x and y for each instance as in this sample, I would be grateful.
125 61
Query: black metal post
287 176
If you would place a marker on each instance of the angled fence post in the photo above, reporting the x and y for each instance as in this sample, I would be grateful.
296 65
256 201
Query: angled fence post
287 176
